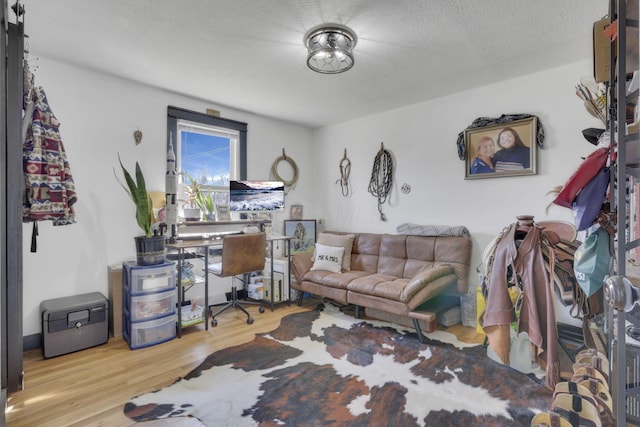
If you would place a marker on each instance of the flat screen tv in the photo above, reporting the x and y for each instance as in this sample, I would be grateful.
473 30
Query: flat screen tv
256 196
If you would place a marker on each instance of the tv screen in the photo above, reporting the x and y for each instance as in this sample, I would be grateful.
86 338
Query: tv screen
252 196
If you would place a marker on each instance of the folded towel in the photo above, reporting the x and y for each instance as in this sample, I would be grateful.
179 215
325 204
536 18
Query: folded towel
434 230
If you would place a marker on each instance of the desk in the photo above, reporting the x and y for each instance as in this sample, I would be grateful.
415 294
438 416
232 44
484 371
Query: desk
180 248
199 230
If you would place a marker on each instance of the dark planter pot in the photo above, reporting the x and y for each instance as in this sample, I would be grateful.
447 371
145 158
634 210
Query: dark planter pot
150 250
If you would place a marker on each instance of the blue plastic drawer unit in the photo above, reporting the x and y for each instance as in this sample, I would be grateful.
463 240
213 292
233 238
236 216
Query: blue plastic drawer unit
149 298
149 278
74 323
152 332
151 306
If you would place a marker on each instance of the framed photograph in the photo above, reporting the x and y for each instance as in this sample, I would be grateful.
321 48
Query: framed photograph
222 213
296 212
303 233
507 149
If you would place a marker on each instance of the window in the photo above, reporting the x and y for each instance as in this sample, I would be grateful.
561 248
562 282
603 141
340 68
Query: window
204 153
210 149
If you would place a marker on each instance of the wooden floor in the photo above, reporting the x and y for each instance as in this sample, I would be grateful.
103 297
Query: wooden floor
90 387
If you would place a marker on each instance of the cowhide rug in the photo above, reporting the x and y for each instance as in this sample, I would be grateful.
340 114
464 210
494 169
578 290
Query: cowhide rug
329 368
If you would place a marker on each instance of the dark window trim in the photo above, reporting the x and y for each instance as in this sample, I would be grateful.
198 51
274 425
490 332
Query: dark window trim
175 113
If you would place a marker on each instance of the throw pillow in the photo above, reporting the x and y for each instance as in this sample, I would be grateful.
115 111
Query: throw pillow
328 258
343 240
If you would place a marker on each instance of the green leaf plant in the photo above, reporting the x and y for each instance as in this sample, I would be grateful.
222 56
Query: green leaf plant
137 191
204 201
196 197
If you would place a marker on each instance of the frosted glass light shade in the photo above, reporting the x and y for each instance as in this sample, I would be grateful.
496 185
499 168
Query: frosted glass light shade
330 49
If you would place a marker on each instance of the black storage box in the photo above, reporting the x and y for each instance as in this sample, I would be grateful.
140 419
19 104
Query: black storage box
74 323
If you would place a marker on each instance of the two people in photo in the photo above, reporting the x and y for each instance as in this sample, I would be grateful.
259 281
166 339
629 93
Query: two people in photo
509 154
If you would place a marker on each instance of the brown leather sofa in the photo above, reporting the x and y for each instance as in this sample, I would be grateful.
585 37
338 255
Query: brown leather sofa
392 274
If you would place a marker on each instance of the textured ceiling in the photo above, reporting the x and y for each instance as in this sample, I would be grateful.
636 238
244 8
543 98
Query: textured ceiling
249 54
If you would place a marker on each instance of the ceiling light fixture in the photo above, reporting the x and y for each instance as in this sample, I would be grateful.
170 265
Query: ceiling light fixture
330 48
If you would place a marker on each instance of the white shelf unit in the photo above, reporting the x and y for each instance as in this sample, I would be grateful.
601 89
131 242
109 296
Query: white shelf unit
280 278
192 251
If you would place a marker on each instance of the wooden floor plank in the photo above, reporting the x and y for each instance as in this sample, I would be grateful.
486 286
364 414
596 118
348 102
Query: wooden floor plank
89 388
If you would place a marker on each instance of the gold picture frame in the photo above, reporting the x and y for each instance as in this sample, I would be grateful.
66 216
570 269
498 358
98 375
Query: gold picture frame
501 150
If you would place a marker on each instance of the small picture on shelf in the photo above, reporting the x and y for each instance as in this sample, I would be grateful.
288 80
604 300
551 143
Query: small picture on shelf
222 213
304 235
296 212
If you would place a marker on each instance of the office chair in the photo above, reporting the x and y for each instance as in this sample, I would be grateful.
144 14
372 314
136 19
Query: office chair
241 254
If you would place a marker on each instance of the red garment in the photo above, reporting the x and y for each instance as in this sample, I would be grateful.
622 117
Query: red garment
537 315
49 188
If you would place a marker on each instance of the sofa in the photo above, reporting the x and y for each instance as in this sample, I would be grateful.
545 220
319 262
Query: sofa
390 274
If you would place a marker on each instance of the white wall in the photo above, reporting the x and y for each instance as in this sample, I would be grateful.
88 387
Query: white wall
422 138
99 114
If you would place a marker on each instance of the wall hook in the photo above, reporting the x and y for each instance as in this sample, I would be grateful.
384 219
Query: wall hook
18 8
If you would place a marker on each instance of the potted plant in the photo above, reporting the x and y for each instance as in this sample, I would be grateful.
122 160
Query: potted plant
205 202
150 248
190 209
197 202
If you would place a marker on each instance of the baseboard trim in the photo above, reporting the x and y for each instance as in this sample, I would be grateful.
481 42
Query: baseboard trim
31 342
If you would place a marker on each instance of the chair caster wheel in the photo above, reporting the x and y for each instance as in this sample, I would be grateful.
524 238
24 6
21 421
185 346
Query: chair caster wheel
261 309
214 322
250 320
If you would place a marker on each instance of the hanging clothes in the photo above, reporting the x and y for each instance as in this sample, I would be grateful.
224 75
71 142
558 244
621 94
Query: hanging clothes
49 187
525 264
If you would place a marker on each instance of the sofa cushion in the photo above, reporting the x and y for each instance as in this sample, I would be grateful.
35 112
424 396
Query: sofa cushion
392 255
328 258
366 247
396 288
380 285
300 264
340 240
332 280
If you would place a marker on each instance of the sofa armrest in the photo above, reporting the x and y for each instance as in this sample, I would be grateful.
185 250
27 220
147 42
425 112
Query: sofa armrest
300 265
422 279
